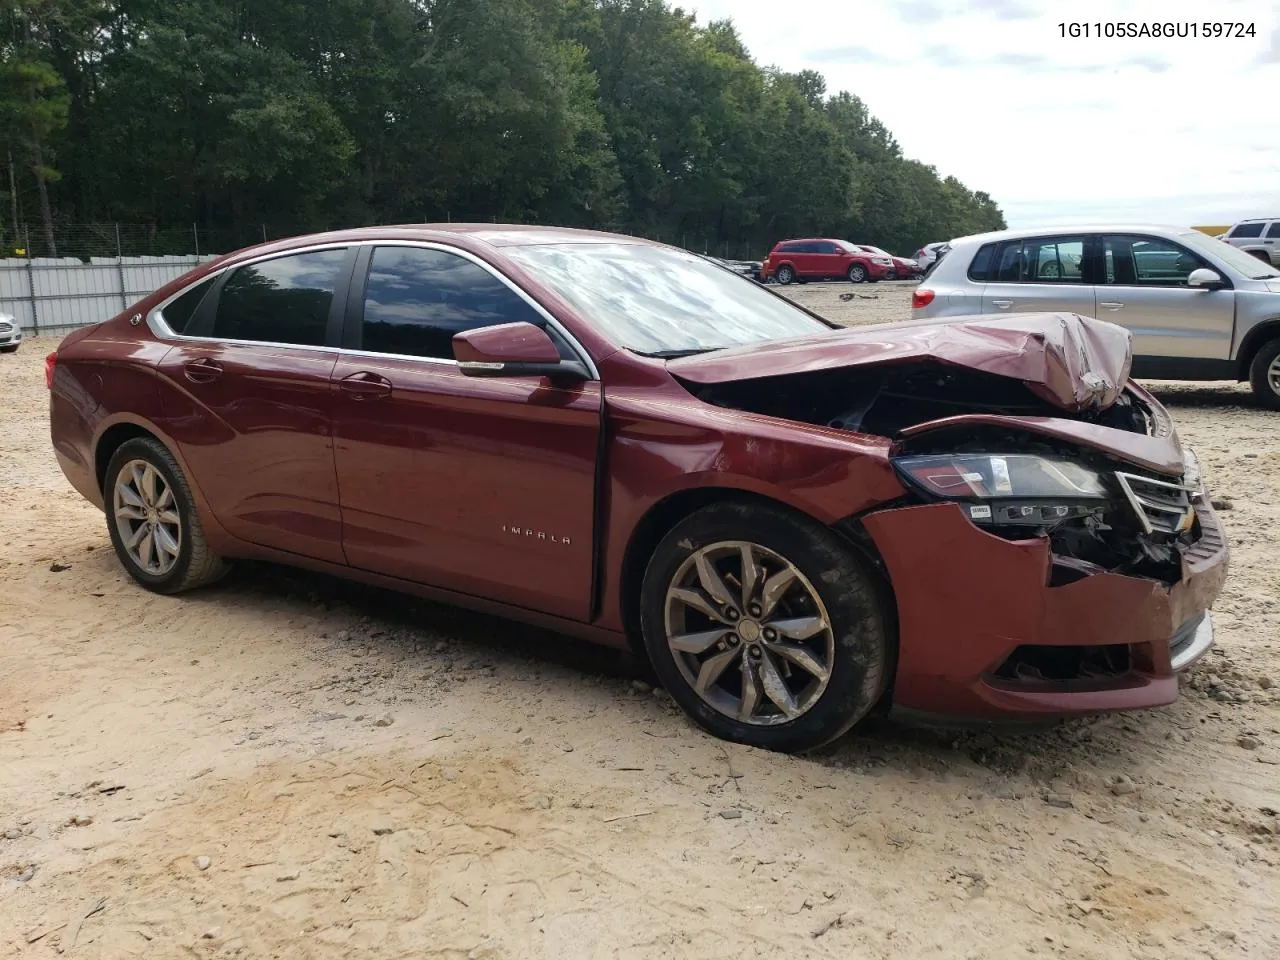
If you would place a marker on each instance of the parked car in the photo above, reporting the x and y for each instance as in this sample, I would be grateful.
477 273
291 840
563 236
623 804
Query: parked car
1199 309
903 268
793 260
927 254
1259 237
10 333
796 523
745 268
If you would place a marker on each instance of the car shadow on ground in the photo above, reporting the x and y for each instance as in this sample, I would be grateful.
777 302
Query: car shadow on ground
402 627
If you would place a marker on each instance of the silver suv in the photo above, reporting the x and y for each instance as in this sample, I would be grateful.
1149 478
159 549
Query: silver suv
1259 237
1198 308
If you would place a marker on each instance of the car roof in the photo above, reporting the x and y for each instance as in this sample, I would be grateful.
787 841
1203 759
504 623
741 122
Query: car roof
463 234
1069 228
1255 220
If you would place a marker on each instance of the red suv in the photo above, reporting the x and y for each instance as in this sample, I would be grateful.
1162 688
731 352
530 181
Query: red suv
793 260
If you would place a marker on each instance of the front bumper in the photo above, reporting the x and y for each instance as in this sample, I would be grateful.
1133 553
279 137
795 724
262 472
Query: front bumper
10 338
968 601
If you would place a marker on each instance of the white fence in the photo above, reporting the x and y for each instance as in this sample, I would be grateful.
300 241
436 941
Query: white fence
52 297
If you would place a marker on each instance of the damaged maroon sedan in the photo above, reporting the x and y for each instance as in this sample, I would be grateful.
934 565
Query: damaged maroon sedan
795 523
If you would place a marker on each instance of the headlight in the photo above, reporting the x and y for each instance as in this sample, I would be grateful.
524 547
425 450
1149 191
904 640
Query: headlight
1015 488
883 261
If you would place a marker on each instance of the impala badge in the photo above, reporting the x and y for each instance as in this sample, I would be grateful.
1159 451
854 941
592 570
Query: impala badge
536 535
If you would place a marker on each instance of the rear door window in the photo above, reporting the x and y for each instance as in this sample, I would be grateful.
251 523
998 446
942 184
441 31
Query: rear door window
1273 231
285 300
1042 260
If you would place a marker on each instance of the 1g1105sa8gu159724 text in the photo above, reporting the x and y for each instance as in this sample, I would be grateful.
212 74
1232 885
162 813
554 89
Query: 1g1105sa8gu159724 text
1159 29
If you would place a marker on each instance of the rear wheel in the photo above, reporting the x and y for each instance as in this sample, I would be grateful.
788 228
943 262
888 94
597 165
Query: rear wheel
1264 374
152 520
785 275
764 627
857 273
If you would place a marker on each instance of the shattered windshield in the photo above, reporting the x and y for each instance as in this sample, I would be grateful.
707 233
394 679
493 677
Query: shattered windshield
660 301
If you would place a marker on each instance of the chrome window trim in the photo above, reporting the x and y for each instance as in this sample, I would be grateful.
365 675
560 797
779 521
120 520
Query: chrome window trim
156 322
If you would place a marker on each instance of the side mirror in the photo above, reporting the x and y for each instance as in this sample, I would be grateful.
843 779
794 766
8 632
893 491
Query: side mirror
513 350
1203 278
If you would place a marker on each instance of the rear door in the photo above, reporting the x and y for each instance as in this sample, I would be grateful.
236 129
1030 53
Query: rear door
481 486
248 399
1042 275
1145 289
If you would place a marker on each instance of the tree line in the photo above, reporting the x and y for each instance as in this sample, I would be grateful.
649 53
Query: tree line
311 114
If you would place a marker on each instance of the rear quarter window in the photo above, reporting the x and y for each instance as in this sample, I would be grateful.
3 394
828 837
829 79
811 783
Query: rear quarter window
980 268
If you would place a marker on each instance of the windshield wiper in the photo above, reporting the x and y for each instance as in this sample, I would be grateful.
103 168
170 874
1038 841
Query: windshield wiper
677 354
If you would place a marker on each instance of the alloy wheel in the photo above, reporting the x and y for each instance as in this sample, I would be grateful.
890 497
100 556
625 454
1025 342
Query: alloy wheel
147 518
1273 376
749 633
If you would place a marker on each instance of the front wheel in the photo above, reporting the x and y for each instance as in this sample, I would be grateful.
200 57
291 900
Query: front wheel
1261 255
152 520
1264 375
765 627
857 273
12 349
785 275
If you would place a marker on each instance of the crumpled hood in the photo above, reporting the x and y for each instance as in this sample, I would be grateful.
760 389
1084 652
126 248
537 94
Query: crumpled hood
1075 363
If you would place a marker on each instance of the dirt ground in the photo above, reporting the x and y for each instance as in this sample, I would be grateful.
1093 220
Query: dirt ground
287 766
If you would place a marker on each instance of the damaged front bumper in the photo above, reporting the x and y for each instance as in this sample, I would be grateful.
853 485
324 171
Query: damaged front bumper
982 633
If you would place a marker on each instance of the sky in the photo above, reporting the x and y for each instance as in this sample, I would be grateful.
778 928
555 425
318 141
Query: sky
1057 129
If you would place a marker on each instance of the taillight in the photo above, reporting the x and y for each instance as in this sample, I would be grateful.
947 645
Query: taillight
50 362
921 299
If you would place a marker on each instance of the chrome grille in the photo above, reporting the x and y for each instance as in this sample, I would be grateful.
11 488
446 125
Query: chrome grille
6 327
1160 506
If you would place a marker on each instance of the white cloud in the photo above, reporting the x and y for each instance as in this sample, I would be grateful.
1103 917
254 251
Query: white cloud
1055 128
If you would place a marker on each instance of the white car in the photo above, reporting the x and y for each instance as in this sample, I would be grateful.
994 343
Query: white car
1198 308
1259 237
930 252
10 333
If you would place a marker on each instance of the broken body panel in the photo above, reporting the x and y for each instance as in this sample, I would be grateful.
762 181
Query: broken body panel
1093 613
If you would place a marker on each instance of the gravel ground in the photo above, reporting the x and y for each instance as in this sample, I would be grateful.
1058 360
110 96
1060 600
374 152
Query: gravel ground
289 766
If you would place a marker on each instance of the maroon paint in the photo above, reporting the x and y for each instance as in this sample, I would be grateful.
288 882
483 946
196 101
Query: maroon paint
483 486
254 424
404 473
505 343
967 599
1056 354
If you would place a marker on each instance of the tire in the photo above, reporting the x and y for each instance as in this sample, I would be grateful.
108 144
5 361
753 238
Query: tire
1264 375
13 349
785 275
1261 255
193 565
857 273
831 608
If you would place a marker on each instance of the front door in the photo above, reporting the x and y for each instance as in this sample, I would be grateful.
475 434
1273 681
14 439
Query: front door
1041 275
248 399
1144 287
481 486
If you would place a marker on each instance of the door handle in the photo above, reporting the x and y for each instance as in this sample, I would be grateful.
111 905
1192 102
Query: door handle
1002 304
365 386
1110 305
202 370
